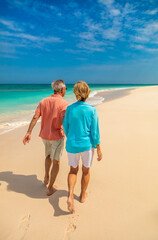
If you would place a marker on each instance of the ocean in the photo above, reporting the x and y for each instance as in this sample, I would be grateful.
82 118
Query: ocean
19 101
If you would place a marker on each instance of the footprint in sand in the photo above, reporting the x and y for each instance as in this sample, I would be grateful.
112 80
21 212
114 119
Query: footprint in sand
25 218
71 227
24 224
22 229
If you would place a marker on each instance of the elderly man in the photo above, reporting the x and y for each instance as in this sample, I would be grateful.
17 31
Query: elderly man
51 110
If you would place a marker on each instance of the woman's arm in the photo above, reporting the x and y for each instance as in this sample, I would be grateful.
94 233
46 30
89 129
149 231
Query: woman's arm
95 128
95 133
99 153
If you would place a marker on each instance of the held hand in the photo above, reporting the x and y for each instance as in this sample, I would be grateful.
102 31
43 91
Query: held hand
27 138
99 153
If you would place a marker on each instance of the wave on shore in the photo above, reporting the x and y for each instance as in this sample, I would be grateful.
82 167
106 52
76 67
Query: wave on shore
10 123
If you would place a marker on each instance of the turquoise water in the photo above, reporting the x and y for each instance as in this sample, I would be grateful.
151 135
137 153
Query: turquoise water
16 98
18 102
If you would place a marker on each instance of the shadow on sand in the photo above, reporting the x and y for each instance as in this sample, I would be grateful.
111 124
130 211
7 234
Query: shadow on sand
34 188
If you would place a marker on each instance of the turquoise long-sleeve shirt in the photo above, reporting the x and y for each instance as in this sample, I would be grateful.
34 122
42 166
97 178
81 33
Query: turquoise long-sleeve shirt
81 127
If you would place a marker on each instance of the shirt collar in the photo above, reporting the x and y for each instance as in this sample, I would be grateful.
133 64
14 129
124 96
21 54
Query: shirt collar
81 102
56 95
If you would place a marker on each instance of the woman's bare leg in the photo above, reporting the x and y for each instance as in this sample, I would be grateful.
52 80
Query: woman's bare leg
72 177
84 183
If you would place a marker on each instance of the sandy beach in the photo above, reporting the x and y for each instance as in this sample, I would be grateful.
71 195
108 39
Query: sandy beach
122 201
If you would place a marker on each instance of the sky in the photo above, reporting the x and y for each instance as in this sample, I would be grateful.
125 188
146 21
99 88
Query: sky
97 41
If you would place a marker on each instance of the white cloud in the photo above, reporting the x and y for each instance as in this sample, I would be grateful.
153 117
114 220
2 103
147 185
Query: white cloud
59 14
155 41
97 34
90 46
12 49
73 51
10 25
141 39
115 12
10 46
7 48
118 22
86 36
92 26
115 20
128 9
152 50
149 33
106 2
90 43
144 48
81 59
150 29
112 8
138 47
77 13
35 8
8 56
31 37
112 34
152 12
89 39
50 39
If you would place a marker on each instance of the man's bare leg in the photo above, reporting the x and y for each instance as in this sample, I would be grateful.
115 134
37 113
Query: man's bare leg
48 163
84 183
72 177
54 172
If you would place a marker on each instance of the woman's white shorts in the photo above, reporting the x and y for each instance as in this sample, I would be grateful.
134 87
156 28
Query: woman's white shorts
87 158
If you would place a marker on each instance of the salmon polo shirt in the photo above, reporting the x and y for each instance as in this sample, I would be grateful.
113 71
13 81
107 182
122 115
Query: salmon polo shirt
51 110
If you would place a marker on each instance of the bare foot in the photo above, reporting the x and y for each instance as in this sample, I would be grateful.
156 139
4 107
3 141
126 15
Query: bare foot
70 205
83 197
51 191
46 180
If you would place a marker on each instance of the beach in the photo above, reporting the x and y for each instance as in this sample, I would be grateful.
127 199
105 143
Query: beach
19 101
122 202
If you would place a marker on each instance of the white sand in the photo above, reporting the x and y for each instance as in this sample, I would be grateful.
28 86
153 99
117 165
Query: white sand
122 199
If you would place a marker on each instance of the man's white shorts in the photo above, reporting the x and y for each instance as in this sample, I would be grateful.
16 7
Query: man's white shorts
54 148
87 158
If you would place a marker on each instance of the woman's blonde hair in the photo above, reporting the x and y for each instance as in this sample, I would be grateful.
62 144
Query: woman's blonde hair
81 90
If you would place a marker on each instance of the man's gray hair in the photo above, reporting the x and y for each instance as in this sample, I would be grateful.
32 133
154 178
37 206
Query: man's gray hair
58 85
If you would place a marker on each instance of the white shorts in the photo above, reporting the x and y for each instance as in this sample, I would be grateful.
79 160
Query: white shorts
87 157
54 148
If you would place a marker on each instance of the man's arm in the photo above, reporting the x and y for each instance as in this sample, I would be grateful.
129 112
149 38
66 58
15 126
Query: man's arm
33 122
63 112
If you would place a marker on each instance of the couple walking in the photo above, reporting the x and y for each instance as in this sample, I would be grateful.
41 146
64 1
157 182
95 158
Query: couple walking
81 127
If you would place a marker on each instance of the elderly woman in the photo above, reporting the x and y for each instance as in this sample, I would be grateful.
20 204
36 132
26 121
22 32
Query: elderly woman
81 127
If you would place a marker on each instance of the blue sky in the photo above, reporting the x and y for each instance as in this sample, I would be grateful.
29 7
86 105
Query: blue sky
98 41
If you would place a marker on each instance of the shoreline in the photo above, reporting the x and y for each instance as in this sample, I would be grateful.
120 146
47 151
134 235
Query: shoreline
98 97
115 94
